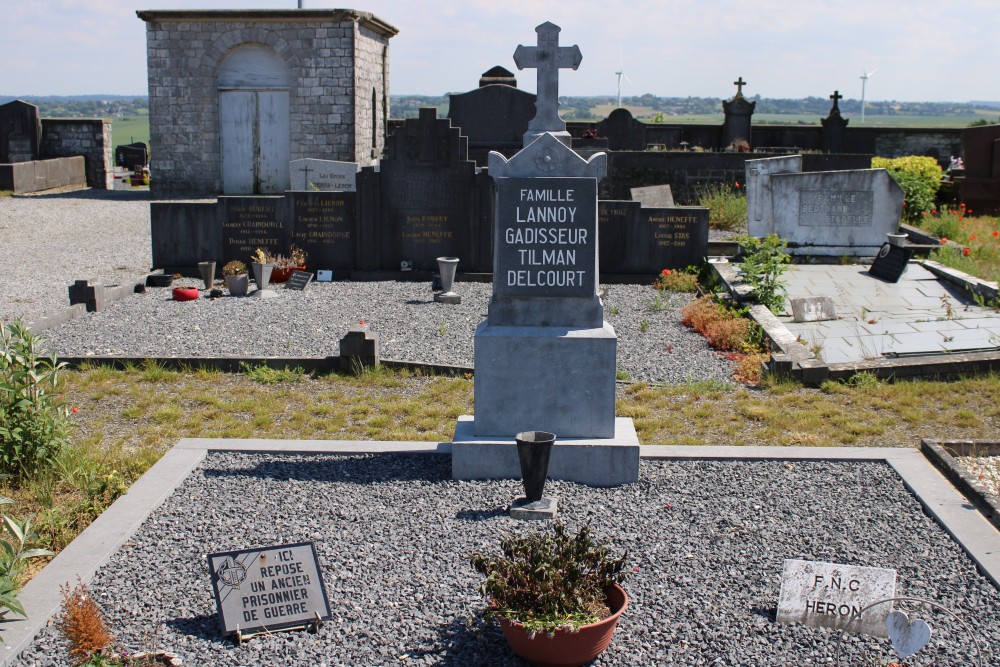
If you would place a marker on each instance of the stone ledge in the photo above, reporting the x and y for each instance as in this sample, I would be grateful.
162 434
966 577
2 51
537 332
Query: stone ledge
942 454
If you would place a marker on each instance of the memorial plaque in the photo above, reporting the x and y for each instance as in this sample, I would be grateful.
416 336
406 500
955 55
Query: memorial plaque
249 223
546 241
813 309
829 595
268 589
310 174
841 209
638 240
654 196
323 225
299 280
890 263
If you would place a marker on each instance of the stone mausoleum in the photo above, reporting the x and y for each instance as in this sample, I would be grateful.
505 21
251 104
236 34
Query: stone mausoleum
234 95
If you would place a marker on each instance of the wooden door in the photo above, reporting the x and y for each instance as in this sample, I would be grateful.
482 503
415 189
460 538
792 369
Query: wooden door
255 137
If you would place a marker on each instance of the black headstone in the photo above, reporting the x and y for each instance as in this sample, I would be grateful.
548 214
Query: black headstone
299 280
20 132
249 223
427 195
623 132
637 240
131 156
494 117
324 225
890 262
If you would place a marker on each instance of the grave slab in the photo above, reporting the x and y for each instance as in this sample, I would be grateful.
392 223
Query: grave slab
592 461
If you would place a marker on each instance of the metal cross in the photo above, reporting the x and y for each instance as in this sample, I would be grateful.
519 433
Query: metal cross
739 83
548 58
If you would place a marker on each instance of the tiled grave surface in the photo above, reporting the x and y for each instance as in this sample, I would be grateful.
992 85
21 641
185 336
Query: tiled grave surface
919 315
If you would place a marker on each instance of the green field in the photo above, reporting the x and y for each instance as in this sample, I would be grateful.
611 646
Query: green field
130 130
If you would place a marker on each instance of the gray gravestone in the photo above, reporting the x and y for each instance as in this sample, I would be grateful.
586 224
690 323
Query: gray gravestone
654 196
20 132
310 174
813 309
829 595
268 589
249 223
845 213
636 240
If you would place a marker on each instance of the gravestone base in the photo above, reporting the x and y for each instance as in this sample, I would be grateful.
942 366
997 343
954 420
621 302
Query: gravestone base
592 461
556 379
448 297
538 510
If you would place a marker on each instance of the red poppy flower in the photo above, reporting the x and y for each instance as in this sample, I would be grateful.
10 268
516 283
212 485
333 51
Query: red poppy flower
934 211
996 234
74 409
966 251
972 238
665 272
361 322
963 204
944 239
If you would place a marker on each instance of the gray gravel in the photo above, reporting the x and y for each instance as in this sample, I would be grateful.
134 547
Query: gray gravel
50 241
706 539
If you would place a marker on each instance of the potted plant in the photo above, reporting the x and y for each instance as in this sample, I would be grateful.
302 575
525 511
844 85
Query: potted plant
237 281
285 266
556 596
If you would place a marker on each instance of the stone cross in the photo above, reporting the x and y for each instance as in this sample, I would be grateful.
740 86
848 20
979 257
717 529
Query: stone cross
836 97
739 83
548 58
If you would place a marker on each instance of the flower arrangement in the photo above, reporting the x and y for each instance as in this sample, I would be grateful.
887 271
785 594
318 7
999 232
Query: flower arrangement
549 581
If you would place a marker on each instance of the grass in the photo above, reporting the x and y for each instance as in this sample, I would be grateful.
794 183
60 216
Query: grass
978 236
126 419
130 130
727 206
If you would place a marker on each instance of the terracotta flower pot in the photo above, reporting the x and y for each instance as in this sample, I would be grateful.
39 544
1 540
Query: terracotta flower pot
564 648
282 274
185 293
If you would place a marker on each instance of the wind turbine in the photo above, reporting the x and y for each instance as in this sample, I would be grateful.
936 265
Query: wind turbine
864 80
621 75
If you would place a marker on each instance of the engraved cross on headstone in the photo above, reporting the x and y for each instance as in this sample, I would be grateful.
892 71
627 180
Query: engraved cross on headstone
739 83
836 97
548 58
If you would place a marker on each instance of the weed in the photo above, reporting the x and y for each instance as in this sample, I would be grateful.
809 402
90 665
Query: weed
33 417
621 375
644 326
658 303
727 206
613 310
442 329
764 261
264 374
678 280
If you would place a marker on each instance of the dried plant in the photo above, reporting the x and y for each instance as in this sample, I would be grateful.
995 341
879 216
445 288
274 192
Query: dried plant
82 623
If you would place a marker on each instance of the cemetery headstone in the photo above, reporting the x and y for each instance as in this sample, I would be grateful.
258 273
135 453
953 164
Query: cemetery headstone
249 223
637 240
813 309
310 174
844 213
268 589
834 126
494 116
623 131
738 111
830 595
545 315
20 132
324 225
427 202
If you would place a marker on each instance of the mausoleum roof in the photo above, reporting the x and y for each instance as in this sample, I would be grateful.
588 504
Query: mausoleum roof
366 19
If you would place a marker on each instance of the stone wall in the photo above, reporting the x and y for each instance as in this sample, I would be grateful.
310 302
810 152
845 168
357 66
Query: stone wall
88 137
371 95
322 50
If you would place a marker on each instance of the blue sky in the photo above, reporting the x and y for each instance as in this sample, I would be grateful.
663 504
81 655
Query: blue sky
922 50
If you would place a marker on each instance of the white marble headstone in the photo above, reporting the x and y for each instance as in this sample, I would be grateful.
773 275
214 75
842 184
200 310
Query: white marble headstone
831 595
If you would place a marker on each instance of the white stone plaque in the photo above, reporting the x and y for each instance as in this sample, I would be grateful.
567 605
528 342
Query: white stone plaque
830 595
323 175
268 589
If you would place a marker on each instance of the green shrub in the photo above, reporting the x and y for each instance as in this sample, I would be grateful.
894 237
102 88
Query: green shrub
33 420
920 178
764 260
14 535
727 206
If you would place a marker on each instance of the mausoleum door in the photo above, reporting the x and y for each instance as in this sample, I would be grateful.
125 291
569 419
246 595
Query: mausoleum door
255 139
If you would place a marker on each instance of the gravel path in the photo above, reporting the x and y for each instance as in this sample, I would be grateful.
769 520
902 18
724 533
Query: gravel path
50 241
706 540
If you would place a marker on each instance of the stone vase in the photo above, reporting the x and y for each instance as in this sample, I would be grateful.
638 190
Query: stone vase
261 275
534 449
207 273
447 266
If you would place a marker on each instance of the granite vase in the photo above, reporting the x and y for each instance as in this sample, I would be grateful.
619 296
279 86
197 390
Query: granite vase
534 449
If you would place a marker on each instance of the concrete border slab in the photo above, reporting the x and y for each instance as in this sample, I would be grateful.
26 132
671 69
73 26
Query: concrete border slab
95 546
